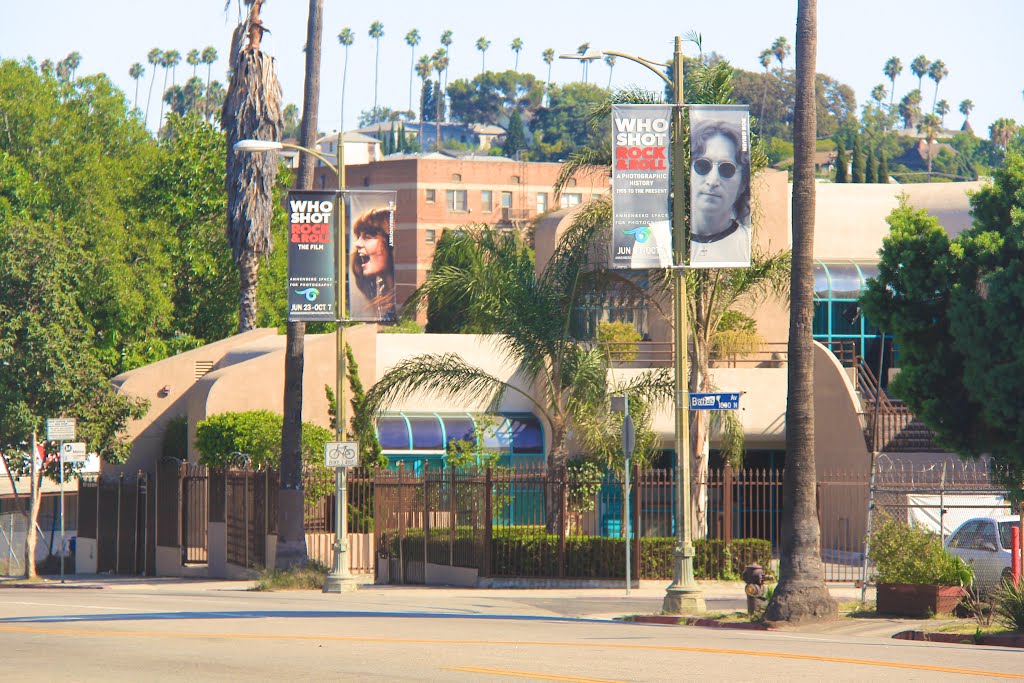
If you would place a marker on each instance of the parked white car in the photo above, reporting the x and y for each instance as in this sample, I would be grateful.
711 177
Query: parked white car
984 543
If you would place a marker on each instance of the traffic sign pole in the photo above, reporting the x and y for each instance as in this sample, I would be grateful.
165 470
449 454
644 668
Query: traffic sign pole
61 512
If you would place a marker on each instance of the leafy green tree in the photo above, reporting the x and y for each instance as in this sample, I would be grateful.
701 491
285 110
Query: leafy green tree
841 176
376 32
515 140
883 167
563 126
291 121
870 170
857 163
952 305
361 424
491 97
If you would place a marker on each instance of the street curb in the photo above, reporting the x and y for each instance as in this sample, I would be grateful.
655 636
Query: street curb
51 586
993 639
696 621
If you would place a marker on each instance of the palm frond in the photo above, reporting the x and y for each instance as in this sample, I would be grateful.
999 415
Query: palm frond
586 161
729 427
651 386
447 376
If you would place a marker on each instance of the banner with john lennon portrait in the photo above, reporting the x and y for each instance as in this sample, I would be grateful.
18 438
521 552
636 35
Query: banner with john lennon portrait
370 226
641 227
720 227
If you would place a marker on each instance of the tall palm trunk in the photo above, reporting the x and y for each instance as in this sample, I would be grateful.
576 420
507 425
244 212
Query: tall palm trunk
801 595
291 534
149 99
206 106
135 102
160 121
376 71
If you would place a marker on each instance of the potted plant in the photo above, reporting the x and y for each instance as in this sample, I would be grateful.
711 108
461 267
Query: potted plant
915 575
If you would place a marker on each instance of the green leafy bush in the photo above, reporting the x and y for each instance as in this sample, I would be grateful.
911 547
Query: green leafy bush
623 336
905 553
1008 605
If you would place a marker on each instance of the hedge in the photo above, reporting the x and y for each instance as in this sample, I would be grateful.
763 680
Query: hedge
531 552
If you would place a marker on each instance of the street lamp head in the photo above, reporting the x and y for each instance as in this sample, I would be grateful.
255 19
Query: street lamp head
588 55
250 146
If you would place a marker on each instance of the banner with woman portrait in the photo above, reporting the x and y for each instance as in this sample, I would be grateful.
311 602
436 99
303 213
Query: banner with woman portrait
370 225
719 186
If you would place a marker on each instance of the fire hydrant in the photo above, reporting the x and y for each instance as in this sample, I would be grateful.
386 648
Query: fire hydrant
753 576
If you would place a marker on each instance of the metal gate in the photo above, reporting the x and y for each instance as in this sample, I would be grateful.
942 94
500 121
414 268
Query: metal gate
251 514
194 499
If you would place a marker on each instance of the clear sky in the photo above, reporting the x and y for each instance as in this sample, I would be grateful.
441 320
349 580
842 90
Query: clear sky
979 41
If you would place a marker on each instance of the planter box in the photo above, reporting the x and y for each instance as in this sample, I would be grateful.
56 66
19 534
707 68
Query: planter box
917 600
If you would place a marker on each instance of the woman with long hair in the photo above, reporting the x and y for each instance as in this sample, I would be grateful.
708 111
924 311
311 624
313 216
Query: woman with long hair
373 267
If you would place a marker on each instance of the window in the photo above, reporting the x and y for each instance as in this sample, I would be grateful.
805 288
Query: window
486 200
456 177
542 202
431 196
506 200
571 183
457 200
431 236
571 199
516 180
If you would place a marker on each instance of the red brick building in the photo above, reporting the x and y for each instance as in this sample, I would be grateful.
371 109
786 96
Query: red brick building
439 190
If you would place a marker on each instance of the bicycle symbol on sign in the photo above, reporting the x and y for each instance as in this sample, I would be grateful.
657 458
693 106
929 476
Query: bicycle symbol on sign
342 454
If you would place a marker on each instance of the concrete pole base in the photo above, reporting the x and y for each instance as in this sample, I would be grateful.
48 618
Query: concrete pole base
683 601
340 584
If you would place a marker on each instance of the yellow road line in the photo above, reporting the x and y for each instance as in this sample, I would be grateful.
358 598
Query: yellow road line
518 643
527 674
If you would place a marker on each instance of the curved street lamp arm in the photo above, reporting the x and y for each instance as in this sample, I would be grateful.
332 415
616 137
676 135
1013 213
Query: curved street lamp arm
307 150
653 66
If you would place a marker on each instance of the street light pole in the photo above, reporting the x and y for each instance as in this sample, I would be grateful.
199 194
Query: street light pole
683 595
340 579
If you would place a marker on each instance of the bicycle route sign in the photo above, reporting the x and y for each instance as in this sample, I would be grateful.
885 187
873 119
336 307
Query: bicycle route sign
341 454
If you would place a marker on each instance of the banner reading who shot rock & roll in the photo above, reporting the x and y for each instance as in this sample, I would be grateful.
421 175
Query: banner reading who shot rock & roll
311 256
719 186
370 218
641 229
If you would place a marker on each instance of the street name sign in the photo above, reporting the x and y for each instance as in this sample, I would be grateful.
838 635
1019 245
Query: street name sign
715 401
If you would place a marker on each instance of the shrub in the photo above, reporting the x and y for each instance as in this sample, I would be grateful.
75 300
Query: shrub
1008 605
624 337
905 553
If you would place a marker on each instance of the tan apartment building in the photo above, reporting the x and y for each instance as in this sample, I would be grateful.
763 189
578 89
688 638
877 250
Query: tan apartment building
439 190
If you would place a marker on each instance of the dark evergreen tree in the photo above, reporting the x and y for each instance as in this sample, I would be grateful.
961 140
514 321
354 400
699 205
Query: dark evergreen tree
883 168
869 167
857 163
427 99
841 176
515 140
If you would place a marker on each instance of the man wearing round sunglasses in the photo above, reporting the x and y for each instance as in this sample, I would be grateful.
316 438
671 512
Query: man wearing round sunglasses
719 196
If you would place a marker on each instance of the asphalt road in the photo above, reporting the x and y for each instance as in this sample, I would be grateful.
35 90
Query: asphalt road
214 631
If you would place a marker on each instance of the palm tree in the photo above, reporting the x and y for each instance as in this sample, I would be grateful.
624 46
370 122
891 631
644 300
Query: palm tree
766 59
208 57
929 127
966 107
937 71
155 58
582 49
192 95
291 540
878 93
610 61
910 108
423 67
530 313
345 39
173 59
781 50
1002 131
440 62
376 32
517 47
165 62
801 594
919 67
446 43
194 59
252 110
136 71
548 56
942 108
73 61
412 39
482 44
893 68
